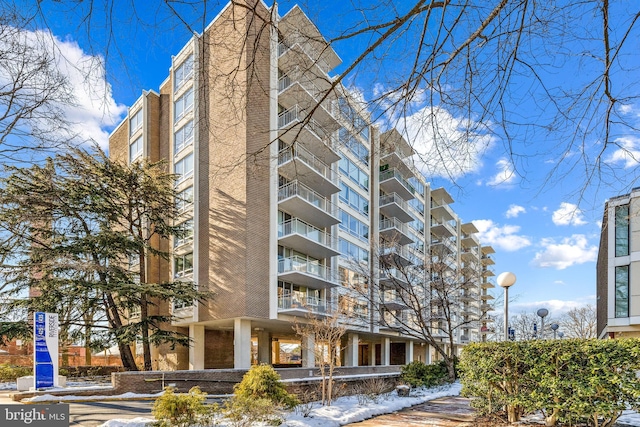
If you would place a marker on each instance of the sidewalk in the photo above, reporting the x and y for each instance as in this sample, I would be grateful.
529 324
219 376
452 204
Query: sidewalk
443 412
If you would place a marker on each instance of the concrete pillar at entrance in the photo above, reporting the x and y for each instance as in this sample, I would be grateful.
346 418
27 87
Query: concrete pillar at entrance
372 354
309 351
241 344
385 357
351 352
409 352
196 349
264 347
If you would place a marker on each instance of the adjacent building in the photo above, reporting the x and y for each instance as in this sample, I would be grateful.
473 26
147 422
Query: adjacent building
289 196
618 268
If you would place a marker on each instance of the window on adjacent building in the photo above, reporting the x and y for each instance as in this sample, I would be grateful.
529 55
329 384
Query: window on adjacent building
622 230
183 105
135 122
622 291
183 73
135 150
184 199
183 137
183 265
184 168
185 233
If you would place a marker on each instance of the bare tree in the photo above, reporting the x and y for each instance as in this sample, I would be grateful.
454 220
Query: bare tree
323 336
579 322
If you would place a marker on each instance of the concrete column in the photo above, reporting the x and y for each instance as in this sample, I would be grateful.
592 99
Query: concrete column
372 354
264 347
351 352
385 357
408 352
196 347
241 344
309 351
276 351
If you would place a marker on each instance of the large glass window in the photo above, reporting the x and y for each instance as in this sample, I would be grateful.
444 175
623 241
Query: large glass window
356 174
185 233
183 72
353 251
184 168
183 105
622 230
183 265
622 291
351 197
356 147
183 137
353 226
135 122
184 199
135 150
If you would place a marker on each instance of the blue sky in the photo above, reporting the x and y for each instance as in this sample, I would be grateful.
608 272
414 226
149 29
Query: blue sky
540 214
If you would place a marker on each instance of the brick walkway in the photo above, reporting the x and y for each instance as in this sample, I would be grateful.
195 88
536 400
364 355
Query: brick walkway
443 412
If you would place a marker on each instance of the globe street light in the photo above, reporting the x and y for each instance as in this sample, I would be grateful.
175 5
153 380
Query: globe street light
554 328
561 334
506 280
542 313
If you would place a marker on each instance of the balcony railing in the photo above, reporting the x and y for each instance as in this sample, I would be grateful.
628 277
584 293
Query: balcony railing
296 188
310 51
388 199
294 76
394 173
298 152
310 304
297 226
389 223
300 264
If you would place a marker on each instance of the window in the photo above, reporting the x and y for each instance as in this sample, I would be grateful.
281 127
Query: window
179 303
135 150
183 265
353 226
353 251
185 233
622 291
183 73
417 205
351 197
184 199
356 147
622 230
183 137
356 174
350 114
184 168
183 105
135 122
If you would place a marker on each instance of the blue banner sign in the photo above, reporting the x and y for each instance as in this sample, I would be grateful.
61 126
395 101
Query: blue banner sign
46 349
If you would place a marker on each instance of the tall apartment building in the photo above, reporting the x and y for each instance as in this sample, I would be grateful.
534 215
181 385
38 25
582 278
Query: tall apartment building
618 268
289 194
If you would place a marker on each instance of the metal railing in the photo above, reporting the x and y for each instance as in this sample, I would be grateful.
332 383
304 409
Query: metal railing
298 152
394 173
388 199
296 188
390 223
297 226
303 265
310 304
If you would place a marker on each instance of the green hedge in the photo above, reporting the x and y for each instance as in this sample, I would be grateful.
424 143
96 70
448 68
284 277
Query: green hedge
570 381
418 374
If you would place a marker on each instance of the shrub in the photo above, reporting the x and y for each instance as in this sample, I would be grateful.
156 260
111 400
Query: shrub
417 374
10 373
570 381
263 382
183 409
244 411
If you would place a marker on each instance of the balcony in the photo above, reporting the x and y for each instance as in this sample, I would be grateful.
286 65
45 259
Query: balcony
302 202
392 181
469 241
486 297
303 272
487 285
442 229
297 163
303 306
487 260
294 127
487 272
395 255
392 301
443 247
392 205
304 91
306 49
304 237
442 213
393 278
394 230
469 256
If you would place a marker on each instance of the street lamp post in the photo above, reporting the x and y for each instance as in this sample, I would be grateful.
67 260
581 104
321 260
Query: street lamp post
506 280
542 313
554 328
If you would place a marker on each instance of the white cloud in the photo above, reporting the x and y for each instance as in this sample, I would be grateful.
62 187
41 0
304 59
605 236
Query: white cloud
505 175
500 237
627 152
570 251
568 214
514 211
556 307
445 145
93 110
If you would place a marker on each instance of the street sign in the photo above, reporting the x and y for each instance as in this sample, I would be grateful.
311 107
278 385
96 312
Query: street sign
46 349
